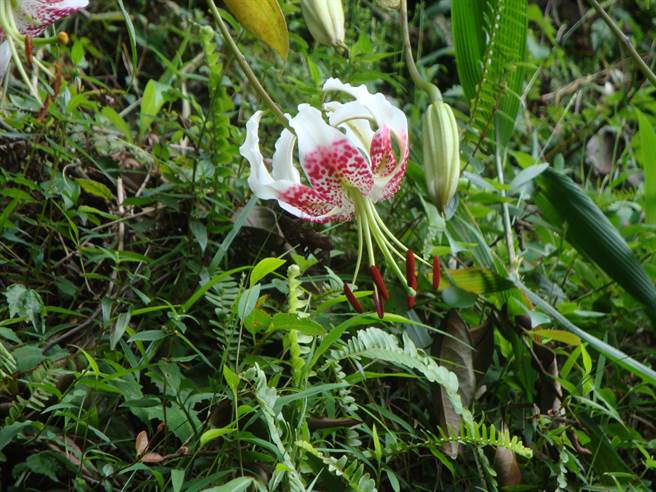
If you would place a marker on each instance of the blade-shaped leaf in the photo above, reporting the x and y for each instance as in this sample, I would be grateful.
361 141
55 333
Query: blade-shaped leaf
646 158
490 44
264 19
566 206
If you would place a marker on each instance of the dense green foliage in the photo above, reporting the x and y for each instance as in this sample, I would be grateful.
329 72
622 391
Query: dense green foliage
161 329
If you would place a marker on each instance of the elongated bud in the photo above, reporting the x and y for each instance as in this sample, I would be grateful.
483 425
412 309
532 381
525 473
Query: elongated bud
378 280
352 299
325 20
437 272
379 303
441 153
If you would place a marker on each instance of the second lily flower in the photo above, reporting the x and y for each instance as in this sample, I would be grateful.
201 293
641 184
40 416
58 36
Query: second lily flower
349 166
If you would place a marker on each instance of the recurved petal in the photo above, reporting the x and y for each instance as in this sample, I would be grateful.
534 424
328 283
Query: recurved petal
34 16
282 163
389 169
329 158
305 203
354 119
380 109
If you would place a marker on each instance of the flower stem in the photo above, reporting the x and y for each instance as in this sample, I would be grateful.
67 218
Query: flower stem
359 260
248 71
419 81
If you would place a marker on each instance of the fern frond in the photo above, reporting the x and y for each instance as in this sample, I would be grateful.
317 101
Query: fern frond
376 344
479 434
351 470
7 362
267 398
499 75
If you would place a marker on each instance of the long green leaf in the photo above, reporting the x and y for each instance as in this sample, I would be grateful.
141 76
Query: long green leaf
647 159
490 44
468 31
617 356
567 207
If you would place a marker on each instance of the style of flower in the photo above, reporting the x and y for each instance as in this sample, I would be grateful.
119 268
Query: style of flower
349 167
30 18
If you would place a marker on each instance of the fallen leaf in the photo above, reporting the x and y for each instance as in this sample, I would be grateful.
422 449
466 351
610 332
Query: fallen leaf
141 443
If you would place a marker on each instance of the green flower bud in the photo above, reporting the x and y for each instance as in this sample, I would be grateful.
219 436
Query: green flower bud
325 20
441 153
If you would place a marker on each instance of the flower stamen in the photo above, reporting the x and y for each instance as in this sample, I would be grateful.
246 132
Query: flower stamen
380 283
352 299
436 272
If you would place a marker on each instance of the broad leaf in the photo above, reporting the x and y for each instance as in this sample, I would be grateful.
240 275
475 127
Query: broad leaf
567 207
647 159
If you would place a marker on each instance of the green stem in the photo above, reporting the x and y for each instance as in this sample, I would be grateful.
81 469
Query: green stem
383 244
622 38
241 59
419 81
359 260
510 245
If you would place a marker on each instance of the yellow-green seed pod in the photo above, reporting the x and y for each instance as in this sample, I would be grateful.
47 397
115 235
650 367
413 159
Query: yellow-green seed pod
441 153
325 20
390 4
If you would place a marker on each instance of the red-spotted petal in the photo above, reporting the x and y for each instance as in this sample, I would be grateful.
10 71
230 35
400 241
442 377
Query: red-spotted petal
329 158
34 16
305 203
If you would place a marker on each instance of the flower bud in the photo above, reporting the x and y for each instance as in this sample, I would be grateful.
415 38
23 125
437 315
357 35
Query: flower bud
325 20
441 153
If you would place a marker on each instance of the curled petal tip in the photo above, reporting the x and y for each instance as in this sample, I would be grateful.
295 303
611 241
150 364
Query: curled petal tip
352 299
437 272
380 283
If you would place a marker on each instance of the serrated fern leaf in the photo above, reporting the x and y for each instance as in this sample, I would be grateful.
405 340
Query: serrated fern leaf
376 344
478 434
7 362
351 470
267 397
492 63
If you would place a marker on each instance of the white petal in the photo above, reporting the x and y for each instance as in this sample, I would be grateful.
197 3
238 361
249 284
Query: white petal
282 162
353 118
312 131
382 111
260 180
5 58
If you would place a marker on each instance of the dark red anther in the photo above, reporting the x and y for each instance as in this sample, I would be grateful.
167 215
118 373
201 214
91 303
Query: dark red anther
352 299
410 269
411 302
28 50
379 303
436 272
380 283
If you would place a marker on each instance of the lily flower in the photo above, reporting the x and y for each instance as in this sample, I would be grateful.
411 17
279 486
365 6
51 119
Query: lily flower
349 167
29 18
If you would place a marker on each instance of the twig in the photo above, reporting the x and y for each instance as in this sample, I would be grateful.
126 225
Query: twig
623 38
73 331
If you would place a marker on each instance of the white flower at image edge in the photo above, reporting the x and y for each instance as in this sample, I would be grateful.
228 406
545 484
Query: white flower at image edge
348 165
32 17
